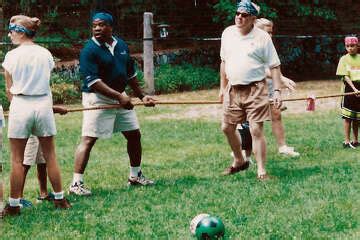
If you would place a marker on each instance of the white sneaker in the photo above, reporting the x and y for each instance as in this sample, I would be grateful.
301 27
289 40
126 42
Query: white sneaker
79 189
288 151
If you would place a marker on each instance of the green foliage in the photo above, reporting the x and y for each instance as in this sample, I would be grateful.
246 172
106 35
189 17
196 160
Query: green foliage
64 93
3 98
169 78
226 8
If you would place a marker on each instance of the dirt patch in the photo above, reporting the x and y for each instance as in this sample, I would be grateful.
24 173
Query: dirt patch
214 111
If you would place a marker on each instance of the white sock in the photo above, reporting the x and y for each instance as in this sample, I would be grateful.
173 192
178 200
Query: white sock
134 171
78 177
58 195
14 202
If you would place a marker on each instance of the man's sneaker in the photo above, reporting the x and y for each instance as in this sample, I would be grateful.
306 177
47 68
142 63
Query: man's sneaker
25 203
49 197
140 180
79 189
10 211
348 145
355 144
288 151
62 203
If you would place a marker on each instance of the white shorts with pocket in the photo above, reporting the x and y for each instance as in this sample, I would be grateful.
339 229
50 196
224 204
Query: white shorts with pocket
103 123
31 115
33 153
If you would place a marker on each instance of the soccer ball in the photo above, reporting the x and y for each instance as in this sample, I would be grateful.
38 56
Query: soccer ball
210 228
194 222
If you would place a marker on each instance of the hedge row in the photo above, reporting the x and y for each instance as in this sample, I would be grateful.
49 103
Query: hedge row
66 87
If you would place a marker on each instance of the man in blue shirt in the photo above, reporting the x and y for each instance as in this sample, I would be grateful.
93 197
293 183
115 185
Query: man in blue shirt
107 68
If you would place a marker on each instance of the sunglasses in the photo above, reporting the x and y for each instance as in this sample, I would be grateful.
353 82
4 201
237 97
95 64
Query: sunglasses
244 15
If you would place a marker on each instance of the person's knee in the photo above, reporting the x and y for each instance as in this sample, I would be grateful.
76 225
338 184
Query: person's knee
256 130
275 115
87 143
228 128
133 136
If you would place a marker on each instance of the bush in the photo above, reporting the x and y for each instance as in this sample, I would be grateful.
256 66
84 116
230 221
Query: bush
3 98
169 78
64 93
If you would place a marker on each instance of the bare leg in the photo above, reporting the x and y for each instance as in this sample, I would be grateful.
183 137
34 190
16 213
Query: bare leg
48 148
347 125
26 170
277 127
133 147
233 137
355 128
82 153
17 177
259 145
42 178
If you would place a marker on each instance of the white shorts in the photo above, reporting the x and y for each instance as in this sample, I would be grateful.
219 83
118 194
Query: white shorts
103 123
31 115
33 153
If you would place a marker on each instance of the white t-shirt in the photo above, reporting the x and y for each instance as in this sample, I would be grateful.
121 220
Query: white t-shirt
30 67
246 57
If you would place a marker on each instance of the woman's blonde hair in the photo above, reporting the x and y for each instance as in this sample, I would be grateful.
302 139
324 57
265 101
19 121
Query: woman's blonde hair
263 22
30 23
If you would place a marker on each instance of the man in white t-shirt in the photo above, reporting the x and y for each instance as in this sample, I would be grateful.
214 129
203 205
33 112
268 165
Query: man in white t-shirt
245 53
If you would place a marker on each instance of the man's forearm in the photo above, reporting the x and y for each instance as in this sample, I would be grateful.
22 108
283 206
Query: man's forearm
276 77
223 80
105 90
134 85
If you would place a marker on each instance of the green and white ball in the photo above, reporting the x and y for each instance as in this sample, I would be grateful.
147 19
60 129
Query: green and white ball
194 222
210 228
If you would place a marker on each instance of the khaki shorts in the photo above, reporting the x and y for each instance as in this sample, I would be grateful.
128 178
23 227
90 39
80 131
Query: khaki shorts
31 115
103 123
246 102
33 153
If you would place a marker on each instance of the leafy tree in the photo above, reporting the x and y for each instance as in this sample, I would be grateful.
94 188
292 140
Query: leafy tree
271 9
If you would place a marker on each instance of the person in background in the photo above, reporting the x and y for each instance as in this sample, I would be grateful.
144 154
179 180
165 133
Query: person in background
349 71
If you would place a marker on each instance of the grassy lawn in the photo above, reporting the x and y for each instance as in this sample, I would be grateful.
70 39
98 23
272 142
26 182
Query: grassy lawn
315 196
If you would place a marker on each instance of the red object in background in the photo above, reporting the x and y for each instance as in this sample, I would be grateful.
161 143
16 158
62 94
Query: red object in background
310 106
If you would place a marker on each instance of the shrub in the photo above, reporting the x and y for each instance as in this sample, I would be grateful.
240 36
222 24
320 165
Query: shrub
64 93
170 78
3 99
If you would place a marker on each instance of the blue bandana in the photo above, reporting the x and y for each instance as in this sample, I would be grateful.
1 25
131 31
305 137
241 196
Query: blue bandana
19 28
106 17
246 6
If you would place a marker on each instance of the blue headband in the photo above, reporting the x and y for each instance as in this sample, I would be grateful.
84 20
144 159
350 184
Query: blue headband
247 6
19 28
106 17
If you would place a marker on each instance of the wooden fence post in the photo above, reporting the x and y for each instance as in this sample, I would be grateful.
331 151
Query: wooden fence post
148 55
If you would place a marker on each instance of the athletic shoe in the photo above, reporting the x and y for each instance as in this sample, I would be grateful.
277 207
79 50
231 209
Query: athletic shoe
25 203
62 203
50 197
288 151
10 211
355 144
140 180
348 145
79 189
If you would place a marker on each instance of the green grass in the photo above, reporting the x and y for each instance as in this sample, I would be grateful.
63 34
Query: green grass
316 196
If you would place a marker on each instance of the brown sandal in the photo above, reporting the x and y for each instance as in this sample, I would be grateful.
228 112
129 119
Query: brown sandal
232 170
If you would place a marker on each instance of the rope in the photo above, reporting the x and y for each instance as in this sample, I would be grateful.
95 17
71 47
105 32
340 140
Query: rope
197 102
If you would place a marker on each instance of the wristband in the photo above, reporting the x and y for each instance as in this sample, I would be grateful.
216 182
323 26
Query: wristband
277 90
141 97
